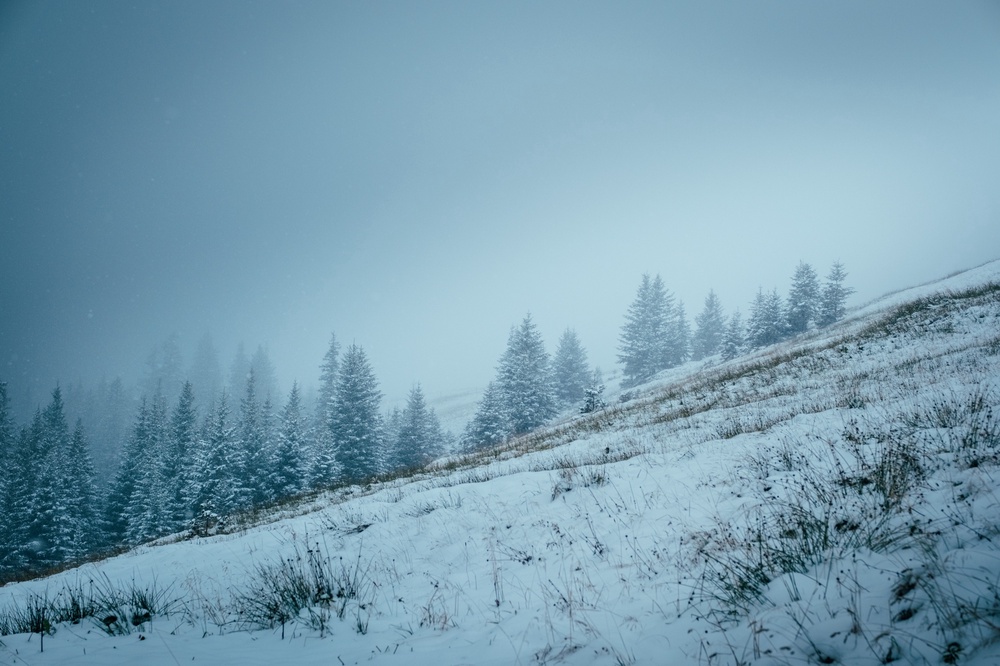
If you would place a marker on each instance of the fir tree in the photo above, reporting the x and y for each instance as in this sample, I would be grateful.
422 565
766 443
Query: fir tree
146 514
324 467
252 448
15 483
50 528
679 337
710 327
356 421
833 299
213 484
419 439
803 298
83 527
767 320
571 375
645 335
289 469
491 423
179 460
524 379
733 342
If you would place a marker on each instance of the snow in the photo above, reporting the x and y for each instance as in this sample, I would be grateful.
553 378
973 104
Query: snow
595 541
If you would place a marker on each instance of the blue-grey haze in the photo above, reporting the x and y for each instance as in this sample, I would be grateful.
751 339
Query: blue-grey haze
416 176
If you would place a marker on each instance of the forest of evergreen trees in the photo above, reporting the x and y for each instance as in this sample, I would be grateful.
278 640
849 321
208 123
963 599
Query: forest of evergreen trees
193 450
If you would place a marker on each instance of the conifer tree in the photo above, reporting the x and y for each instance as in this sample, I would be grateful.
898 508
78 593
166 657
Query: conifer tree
710 327
324 467
803 299
179 460
833 299
678 337
524 379
124 483
571 375
733 342
356 419
147 515
83 533
645 335
491 423
289 467
253 448
767 320
419 439
21 552
15 484
213 484
51 527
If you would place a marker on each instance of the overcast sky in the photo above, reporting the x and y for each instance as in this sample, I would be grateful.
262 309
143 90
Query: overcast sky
417 176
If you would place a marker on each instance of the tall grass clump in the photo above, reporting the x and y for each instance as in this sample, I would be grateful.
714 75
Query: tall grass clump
308 587
116 609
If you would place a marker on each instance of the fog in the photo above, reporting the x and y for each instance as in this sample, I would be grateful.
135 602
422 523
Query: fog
417 176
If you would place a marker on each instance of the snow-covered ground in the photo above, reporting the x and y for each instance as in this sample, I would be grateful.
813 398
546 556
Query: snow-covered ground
833 499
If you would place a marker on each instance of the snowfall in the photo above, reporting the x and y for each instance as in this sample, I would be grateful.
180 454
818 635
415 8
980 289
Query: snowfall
834 499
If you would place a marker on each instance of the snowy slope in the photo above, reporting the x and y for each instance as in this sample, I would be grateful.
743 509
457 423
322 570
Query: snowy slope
833 499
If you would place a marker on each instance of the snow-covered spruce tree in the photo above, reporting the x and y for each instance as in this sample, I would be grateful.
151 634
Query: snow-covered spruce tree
593 397
710 327
213 486
356 419
15 485
767 320
803 299
289 466
571 374
833 299
733 342
491 424
524 378
123 485
56 531
253 450
392 423
84 526
323 466
179 460
678 336
146 513
419 438
645 334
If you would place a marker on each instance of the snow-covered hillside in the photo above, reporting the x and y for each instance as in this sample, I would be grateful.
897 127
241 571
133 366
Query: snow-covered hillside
833 499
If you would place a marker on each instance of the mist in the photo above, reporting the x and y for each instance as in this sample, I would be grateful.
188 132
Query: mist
416 177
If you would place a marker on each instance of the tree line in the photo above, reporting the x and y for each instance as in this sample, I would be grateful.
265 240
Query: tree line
192 457
180 469
656 335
